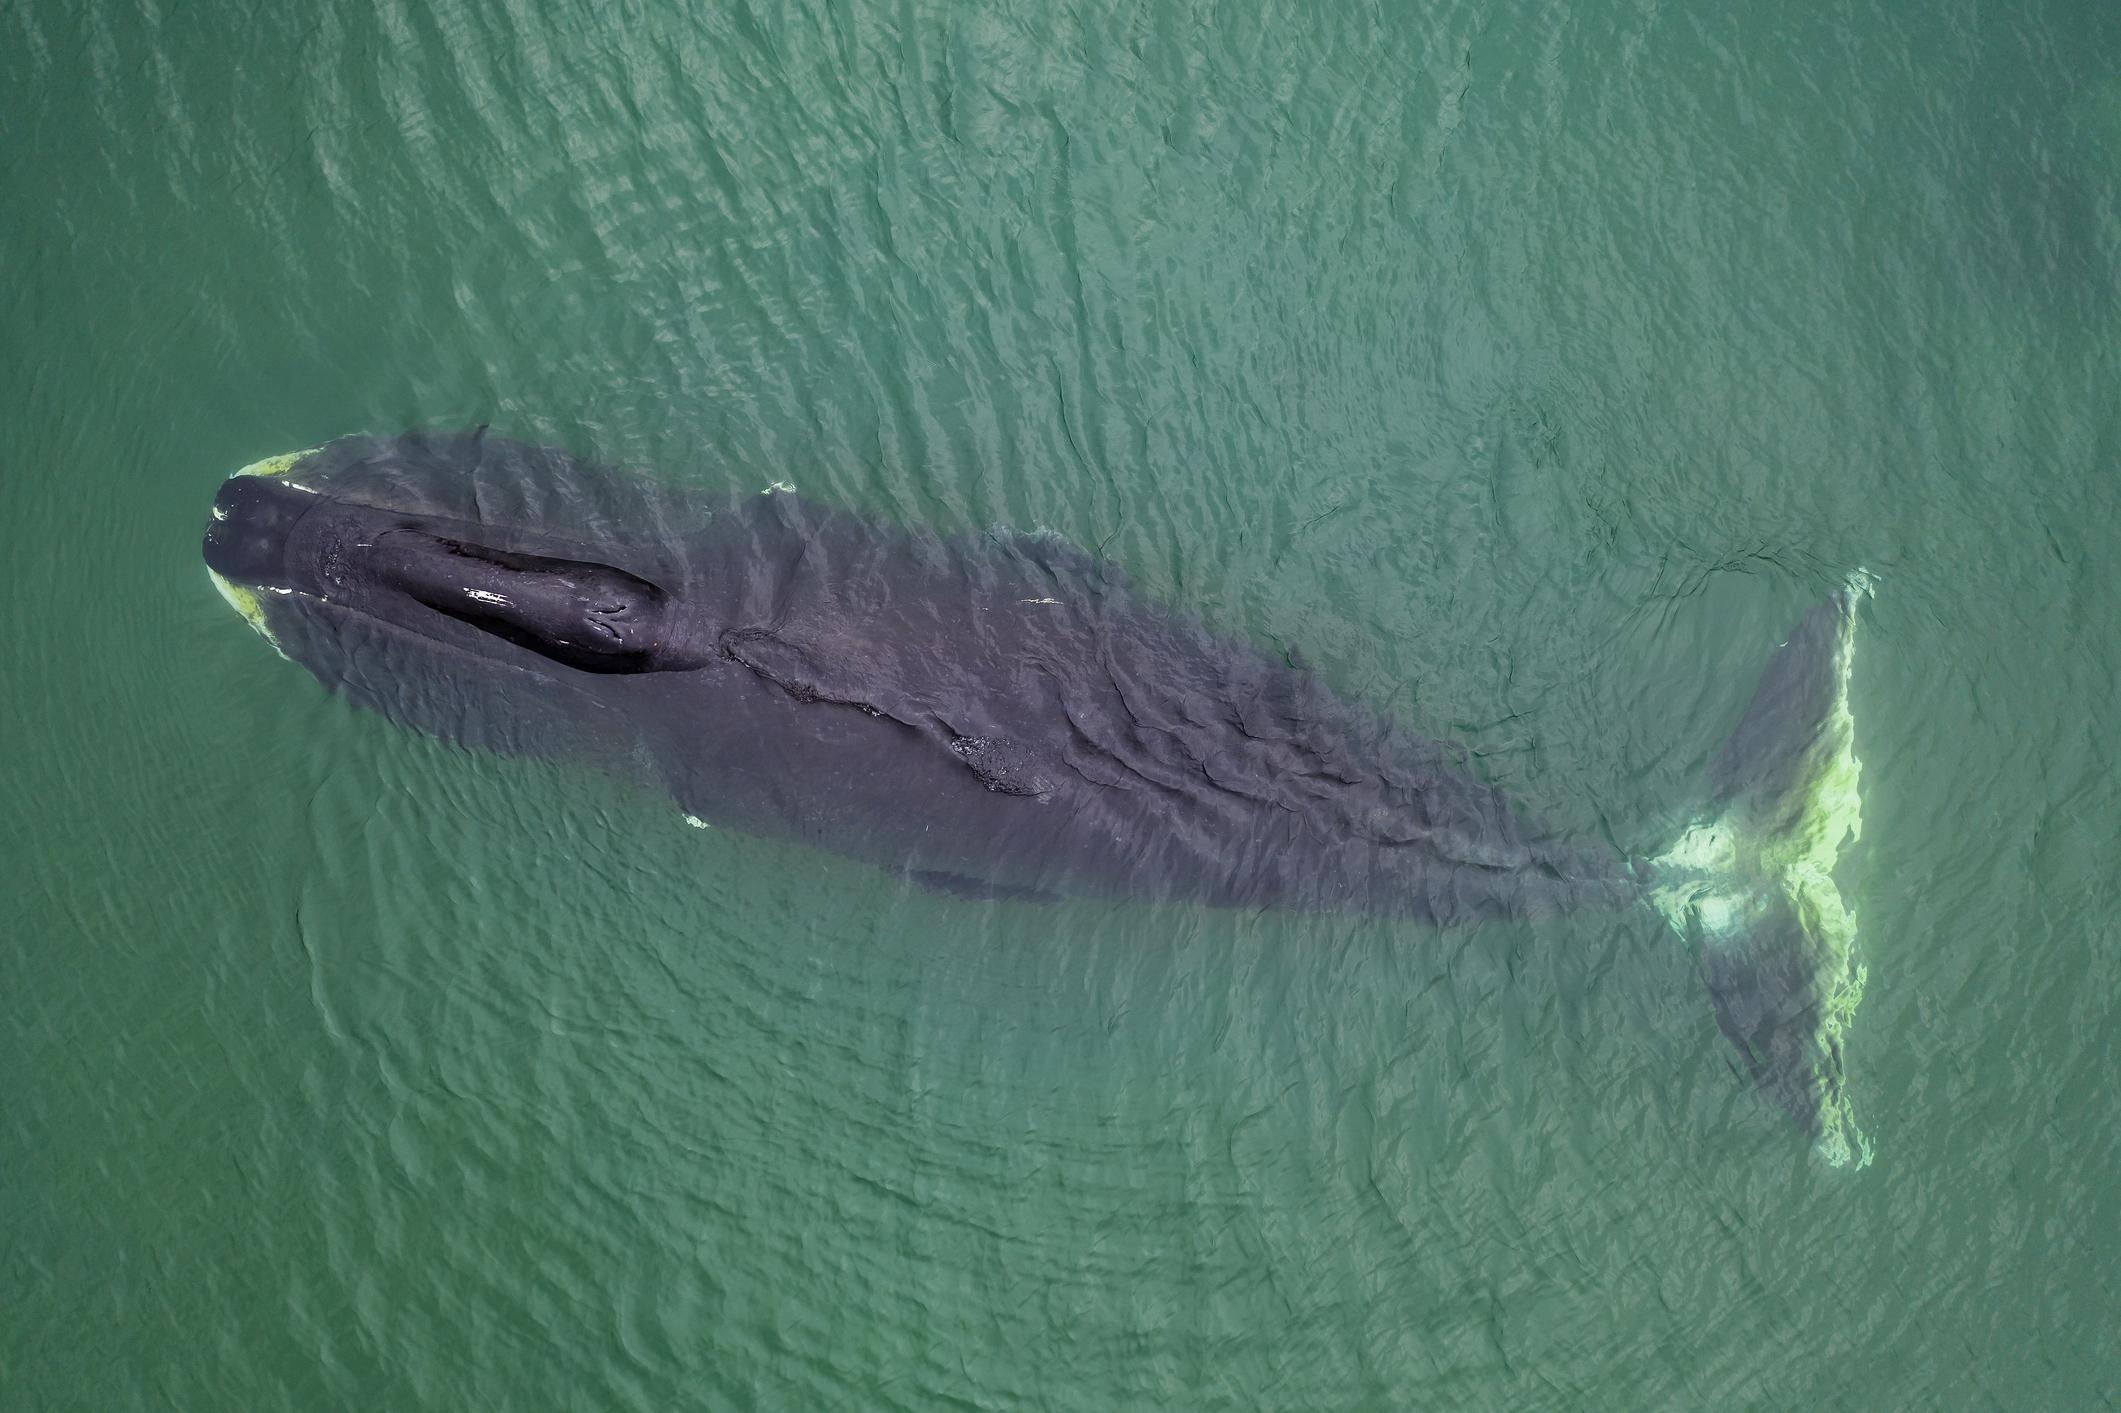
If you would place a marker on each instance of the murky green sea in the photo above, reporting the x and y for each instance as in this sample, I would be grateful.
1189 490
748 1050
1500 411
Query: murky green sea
1528 366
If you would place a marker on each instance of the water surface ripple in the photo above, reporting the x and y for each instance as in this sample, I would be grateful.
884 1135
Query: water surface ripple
1527 366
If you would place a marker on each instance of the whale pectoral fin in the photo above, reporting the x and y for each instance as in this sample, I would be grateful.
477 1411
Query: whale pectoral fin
1057 555
960 885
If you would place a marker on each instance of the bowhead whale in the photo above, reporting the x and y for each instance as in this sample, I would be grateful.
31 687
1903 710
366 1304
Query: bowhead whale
1003 716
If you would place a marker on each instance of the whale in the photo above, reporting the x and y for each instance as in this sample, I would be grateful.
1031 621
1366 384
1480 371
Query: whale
1002 716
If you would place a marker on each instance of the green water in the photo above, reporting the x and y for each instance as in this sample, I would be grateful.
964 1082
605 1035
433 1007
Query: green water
1530 367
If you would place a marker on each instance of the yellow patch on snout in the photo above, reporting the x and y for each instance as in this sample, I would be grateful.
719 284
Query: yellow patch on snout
277 465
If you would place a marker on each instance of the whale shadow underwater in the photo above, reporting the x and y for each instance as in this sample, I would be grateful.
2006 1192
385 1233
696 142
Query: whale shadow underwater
1003 716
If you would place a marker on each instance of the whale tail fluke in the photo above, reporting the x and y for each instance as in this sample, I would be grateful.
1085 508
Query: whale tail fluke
1751 886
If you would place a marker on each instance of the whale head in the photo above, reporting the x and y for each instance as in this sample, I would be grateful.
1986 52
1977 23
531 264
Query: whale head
385 568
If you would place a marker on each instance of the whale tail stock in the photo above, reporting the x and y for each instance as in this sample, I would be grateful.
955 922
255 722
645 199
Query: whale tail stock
1750 885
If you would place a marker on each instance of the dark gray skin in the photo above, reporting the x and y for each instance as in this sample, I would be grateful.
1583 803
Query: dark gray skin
996 716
